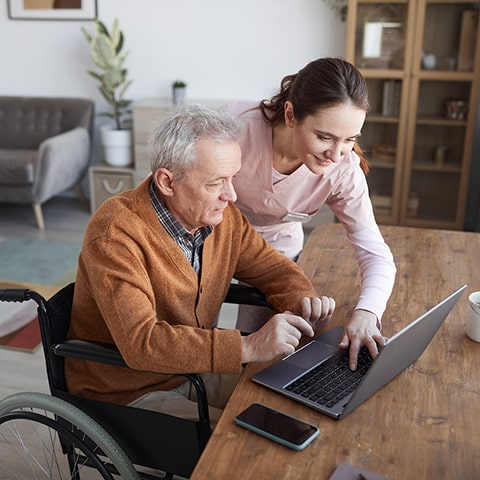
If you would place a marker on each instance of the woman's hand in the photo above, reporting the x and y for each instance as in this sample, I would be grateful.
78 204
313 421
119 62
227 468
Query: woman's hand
361 330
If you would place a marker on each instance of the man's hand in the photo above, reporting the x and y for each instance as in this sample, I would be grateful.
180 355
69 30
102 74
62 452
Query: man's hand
316 310
279 336
361 330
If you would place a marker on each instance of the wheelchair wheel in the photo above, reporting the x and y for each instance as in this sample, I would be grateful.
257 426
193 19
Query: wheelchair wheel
43 437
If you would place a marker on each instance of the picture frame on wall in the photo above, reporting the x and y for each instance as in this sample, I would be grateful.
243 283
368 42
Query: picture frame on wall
52 9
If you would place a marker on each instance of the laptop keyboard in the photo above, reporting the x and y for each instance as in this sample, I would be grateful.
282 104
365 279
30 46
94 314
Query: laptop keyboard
331 381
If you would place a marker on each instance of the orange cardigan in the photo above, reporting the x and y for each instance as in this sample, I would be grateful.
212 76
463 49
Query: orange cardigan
135 288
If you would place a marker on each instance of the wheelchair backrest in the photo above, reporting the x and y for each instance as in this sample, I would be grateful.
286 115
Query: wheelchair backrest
54 325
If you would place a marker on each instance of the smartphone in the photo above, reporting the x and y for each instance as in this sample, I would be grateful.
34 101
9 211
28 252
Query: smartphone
277 426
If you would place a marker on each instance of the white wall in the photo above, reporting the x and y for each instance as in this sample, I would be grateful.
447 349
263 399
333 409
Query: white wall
222 48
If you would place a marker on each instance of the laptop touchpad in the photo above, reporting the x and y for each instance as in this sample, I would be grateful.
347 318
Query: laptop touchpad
311 354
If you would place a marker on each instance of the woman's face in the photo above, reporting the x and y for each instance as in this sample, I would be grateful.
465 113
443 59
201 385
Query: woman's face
323 139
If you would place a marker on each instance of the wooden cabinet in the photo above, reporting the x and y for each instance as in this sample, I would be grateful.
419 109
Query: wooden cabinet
421 61
145 114
106 181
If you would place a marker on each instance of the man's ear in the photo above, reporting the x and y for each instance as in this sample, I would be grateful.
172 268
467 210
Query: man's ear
289 114
164 181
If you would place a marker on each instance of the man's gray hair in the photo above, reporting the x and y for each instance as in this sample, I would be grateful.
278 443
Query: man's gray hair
173 141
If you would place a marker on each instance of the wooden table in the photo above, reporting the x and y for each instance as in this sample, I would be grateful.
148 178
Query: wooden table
425 424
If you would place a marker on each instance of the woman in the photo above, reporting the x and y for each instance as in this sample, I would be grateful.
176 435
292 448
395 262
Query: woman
298 153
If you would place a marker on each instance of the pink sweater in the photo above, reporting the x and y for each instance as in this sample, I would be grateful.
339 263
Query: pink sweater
272 207
136 289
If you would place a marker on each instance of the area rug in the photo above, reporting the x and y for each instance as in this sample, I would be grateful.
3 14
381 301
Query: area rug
27 339
43 262
40 265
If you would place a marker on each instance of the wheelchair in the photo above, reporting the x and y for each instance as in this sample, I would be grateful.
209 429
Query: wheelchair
65 436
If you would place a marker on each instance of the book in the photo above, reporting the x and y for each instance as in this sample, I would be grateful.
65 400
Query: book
468 34
391 98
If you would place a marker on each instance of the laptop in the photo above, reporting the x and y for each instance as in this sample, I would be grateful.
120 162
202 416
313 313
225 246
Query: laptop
310 375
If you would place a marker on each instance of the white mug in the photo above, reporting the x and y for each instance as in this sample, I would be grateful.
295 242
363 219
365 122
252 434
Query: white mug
472 322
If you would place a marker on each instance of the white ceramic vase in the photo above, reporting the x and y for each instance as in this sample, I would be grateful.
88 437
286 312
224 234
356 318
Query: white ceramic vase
117 145
429 61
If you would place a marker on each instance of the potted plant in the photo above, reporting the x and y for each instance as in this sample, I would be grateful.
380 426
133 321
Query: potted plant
179 90
339 6
106 52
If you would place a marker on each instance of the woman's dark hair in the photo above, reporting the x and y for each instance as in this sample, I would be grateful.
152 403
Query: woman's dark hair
321 84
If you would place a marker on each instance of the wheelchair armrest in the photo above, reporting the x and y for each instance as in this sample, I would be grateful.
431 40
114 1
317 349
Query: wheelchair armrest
109 354
93 351
246 295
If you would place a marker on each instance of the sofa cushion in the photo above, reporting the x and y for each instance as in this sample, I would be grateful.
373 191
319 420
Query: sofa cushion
17 167
25 122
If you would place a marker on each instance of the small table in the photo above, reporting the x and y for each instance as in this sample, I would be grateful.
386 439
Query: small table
424 423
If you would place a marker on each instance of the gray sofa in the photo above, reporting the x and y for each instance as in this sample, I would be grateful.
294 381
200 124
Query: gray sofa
45 147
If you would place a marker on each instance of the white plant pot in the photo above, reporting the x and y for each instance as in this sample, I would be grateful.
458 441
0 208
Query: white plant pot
179 94
117 146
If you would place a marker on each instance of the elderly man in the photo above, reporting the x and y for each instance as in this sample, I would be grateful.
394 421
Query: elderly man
156 264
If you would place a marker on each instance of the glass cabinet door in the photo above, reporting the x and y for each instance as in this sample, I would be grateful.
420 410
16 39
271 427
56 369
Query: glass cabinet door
381 49
440 130
447 35
380 140
381 33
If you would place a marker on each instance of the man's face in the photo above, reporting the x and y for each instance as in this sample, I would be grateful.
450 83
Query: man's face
201 199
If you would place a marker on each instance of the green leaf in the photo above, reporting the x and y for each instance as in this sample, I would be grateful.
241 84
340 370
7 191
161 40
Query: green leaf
101 28
106 114
113 78
123 90
123 104
121 58
120 44
116 34
96 75
103 54
105 50
86 34
107 95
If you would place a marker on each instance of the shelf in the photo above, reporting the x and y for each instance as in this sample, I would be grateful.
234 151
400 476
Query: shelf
376 2
446 76
378 118
432 167
441 122
380 163
382 73
437 223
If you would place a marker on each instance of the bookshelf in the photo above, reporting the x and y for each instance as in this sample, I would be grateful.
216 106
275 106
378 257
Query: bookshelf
421 61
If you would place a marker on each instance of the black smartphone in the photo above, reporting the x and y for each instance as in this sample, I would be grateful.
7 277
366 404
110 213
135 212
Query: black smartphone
277 426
